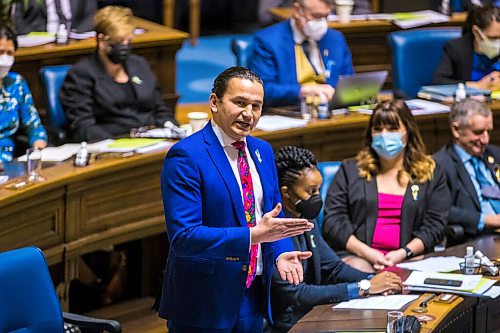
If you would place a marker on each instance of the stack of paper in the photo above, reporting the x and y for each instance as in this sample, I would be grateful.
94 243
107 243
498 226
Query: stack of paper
123 145
35 39
274 123
421 107
56 154
392 302
446 92
471 285
416 19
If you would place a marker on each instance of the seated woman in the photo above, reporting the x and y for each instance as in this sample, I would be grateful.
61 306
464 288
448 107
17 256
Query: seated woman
473 58
113 91
16 107
391 202
326 278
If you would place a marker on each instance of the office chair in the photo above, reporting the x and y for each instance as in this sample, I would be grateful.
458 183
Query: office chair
28 300
242 49
52 79
328 170
415 55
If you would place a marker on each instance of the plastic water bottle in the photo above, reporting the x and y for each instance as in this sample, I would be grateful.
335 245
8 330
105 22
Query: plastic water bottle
323 107
460 93
469 260
62 35
82 155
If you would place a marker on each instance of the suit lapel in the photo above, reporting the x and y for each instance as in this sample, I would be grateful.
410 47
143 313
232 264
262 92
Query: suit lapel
262 167
464 176
288 49
219 159
409 211
371 195
489 161
316 257
135 80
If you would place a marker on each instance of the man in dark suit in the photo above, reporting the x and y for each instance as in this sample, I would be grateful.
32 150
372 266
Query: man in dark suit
471 166
48 14
222 210
300 56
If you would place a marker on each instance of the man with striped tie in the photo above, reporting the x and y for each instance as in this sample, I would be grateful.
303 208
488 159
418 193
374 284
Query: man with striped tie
471 165
224 221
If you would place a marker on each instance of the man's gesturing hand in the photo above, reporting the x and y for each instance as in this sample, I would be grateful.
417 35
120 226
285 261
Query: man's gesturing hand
271 228
290 267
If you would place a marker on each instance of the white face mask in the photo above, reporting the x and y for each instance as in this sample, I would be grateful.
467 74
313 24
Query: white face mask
6 62
490 47
316 29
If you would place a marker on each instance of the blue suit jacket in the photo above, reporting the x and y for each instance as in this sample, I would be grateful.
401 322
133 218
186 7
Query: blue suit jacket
325 281
209 238
273 59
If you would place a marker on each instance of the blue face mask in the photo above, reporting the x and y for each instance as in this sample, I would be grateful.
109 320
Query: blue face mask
388 144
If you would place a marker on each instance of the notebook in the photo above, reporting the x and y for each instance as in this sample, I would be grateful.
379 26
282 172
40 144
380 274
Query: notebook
357 89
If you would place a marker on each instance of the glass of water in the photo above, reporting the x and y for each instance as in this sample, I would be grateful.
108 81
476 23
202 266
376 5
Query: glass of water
392 316
34 164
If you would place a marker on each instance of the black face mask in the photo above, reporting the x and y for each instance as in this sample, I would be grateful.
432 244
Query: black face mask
311 207
119 53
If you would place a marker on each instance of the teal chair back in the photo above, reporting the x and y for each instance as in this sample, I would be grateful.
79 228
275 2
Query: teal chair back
242 50
328 171
415 55
53 78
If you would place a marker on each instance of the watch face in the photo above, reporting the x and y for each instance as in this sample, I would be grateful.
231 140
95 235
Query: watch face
364 284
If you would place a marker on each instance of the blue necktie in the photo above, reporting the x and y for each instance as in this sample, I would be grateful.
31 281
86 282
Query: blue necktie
483 182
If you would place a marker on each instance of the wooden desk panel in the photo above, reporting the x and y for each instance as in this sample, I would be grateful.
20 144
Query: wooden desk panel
158 45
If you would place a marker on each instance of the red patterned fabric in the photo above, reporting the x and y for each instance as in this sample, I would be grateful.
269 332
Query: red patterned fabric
248 204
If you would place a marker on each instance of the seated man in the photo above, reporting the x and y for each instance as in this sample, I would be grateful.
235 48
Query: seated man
300 56
326 278
36 15
469 164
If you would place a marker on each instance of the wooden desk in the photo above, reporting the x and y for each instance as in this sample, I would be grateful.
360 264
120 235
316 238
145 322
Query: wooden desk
158 45
368 39
472 315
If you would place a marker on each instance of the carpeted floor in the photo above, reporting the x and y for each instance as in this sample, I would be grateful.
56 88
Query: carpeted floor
197 66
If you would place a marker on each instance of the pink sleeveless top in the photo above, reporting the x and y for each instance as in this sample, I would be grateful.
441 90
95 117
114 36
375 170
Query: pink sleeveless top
386 235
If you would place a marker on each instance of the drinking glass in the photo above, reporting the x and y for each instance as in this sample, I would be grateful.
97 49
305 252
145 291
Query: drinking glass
392 316
34 164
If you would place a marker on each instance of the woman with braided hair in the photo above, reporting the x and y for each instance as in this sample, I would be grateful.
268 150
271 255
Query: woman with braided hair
326 278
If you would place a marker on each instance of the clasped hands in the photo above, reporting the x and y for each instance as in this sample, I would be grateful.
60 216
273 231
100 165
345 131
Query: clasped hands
272 228
381 261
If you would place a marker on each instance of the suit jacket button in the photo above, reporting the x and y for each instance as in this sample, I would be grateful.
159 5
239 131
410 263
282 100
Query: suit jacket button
244 268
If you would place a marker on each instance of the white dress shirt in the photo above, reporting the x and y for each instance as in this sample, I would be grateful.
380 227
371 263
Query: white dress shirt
53 18
232 156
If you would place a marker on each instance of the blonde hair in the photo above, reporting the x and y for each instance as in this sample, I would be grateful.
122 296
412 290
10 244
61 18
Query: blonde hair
114 21
417 165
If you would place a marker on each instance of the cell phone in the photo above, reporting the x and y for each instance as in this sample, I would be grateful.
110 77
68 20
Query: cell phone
443 282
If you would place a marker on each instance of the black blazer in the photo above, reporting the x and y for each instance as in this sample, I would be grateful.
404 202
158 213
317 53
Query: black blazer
465 207
34 18
351 208
88 96
456 64
325 281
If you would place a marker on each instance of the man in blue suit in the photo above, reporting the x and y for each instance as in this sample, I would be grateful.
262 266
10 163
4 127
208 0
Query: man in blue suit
300 56
223 215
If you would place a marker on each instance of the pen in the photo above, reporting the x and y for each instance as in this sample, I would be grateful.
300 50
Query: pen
426 300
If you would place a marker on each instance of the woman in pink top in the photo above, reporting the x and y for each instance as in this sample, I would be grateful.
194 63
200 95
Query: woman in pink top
391 201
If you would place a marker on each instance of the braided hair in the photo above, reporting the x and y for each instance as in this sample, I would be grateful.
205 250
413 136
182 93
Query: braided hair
291 161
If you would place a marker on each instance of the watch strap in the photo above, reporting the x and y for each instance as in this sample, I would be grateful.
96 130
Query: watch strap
409 252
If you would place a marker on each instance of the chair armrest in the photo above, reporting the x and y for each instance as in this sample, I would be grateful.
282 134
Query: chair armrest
92 324
57 134
455 233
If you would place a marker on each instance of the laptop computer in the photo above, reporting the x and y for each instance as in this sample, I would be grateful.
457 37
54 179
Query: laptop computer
357 89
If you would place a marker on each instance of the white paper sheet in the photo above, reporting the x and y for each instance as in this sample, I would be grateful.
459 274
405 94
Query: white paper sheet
434 264
469 282
493 292
56 154
274 123
391 302
420 107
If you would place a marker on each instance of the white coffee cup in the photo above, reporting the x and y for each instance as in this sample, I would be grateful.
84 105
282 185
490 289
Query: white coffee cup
344 9
197 120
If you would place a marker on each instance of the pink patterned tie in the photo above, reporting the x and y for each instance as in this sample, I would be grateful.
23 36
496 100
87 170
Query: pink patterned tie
248 203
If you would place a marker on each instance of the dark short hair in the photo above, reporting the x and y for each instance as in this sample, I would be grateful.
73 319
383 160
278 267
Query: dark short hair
9 34
481 16
291 161
222 80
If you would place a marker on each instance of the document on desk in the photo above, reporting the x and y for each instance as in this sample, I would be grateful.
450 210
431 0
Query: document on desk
56 154
434 264
274 123
391 302
468 282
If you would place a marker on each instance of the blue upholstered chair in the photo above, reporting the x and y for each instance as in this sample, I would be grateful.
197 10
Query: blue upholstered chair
242 49
52 78
328 171
28 301
415 55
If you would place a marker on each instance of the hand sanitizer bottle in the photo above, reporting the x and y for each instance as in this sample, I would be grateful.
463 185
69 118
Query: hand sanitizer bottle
323 112
62 35
469 261
460 93
82 156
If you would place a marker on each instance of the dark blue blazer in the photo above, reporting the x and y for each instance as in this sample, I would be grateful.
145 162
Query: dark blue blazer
273 59
209 238
465 207
325 281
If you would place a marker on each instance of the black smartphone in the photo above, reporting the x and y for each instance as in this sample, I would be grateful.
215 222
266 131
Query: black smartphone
443 282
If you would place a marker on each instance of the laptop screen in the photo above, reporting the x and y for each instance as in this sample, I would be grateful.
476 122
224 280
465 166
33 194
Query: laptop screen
357 89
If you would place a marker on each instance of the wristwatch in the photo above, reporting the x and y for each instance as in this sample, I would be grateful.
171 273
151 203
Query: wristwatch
409 253
364 285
